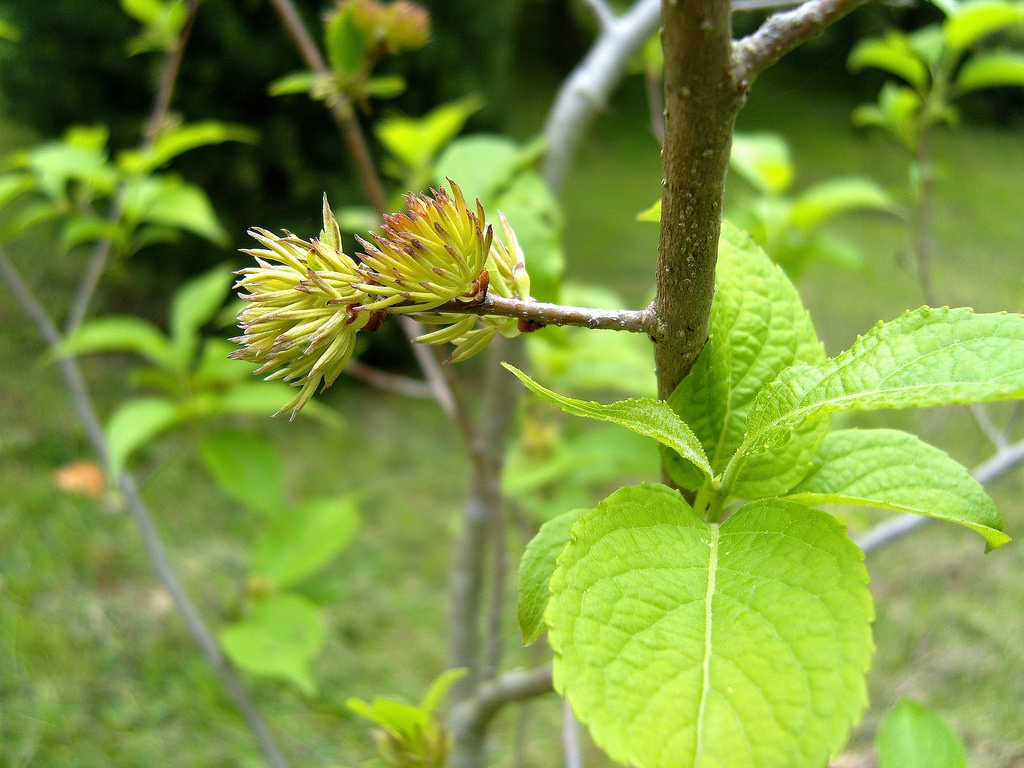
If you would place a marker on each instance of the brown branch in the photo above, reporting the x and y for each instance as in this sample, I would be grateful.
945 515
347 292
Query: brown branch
542 313
782 32
701 102
470 717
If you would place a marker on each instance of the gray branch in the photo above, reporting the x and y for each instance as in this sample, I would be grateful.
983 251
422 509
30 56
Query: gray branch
587 89
543 313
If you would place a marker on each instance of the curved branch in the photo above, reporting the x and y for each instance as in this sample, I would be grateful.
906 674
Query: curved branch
90 422
472 715
782 32
542 313
1006 459
587 89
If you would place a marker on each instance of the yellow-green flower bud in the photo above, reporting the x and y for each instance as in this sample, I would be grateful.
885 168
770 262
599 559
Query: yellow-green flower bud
426 257
302 311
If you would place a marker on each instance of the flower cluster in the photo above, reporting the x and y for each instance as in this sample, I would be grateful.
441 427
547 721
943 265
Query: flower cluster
307 300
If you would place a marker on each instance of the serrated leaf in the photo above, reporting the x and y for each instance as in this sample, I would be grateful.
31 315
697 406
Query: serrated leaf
135 423
758 327
991 70
119 333
645 416
891 53
278 639
763 160
247 467
675 639
974 21
913 736
304 539
889 469
927 357
535 571
194 304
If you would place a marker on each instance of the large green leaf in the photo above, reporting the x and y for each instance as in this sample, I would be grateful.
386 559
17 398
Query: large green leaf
416 141
304 539
645 416
758 327
676 640
248 467
535 571
889 469
913 736
926 357
279 638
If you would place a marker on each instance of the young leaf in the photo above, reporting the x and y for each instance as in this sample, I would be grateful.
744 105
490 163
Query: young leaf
889 469
990 70
119 333
535 571
892 54
836 196
194 304
913 736
304 539
180 139
758 327
926 357
134 424
975 21
279 638
675 640
645 416
763 160
247 467
169 201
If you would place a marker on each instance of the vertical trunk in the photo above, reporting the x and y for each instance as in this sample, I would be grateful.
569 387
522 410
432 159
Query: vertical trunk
701 102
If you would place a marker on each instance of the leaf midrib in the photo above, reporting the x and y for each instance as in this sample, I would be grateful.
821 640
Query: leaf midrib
706 664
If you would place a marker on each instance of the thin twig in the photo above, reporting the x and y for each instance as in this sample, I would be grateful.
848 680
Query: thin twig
150 133
86 413
1005 460
743 6
586 90
542 313
515 685
602 12
390 382
782 32
571 737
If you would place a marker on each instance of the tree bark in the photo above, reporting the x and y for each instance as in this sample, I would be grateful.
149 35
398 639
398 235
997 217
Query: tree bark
701 102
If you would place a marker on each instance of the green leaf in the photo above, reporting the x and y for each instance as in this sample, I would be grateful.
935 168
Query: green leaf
247 467
78 231
295 82
889 469
675 640
891 53
913 736
14 184
416 141
304 539
837 196
168 201
432 698
79 157
898 111
991 70
135 423
977 20
384 86
926 357
347 46
645 416
535 571
194 304
181 139
758 328
279 639
483 165
119 333
763 160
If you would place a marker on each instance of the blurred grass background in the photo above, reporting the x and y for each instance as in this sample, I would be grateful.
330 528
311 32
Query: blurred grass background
97 669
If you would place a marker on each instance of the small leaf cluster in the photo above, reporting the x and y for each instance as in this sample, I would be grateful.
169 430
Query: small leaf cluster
938 64
681 627
307 300
124 200
358 34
